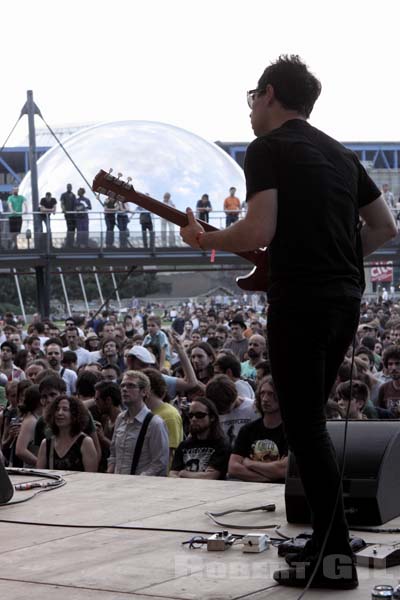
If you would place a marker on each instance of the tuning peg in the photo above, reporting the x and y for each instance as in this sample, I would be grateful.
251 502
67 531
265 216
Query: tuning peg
110 171
119 175
128 179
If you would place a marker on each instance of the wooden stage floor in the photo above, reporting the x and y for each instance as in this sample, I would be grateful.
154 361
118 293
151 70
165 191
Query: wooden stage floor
46 561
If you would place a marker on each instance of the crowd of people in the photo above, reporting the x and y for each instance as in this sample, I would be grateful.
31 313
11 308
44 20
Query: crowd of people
185 394
117 215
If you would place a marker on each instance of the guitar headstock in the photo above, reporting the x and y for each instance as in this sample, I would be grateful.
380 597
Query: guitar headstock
113 187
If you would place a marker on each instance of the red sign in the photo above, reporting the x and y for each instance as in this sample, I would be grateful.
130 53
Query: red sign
382 272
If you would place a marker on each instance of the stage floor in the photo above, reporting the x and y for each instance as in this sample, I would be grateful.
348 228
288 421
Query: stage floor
51 562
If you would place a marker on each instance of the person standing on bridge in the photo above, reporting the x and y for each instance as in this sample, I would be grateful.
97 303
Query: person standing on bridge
68 207
165 224
306 193
17 206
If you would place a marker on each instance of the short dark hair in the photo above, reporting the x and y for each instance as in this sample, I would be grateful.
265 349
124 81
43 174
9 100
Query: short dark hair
86 382
390 352
157 382
53 382
69 356
31 400
111 366
53 340
229 361
295 87
265 366
109 389
11 346
222 391
359 390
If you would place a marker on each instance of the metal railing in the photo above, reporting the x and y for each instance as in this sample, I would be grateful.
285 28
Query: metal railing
77 231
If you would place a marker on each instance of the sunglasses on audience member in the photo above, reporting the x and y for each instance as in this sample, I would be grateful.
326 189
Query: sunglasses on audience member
198 415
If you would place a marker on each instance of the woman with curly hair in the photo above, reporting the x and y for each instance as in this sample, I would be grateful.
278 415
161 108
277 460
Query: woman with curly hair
69 449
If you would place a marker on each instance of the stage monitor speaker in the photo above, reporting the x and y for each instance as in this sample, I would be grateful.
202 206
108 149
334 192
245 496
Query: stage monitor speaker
6 487
371 481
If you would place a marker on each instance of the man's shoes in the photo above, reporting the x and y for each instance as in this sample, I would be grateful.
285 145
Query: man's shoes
336 572
308 553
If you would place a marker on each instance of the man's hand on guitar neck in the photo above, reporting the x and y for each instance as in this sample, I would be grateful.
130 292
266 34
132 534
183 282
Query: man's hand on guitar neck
192 233
255 230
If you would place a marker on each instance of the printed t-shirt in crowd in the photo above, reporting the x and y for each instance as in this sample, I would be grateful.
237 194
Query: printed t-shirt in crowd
247 370
236 418
260 443
389 398
196 455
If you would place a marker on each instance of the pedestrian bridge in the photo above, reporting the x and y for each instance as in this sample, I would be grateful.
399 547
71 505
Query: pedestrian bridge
98 247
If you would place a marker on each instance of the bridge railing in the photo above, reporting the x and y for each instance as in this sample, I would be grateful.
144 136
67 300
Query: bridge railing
92 230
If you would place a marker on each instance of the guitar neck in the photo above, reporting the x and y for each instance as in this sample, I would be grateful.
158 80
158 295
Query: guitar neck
105 183
163 210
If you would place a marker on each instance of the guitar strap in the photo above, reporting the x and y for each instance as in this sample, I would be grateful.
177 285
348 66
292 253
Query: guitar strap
140 440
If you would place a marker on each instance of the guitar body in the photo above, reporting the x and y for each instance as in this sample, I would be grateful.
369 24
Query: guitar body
114 187
257 279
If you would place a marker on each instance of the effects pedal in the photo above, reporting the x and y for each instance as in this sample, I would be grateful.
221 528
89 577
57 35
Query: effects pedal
255 542
220 541
380 556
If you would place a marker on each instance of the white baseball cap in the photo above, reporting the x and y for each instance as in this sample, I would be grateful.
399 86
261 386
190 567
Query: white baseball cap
142 354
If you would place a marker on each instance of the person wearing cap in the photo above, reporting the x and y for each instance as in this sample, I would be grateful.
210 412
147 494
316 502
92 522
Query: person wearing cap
238 343
139 358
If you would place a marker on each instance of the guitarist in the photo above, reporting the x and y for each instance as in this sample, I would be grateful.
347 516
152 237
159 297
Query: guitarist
305 193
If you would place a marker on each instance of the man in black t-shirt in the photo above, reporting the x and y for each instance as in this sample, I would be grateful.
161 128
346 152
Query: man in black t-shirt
47 207
305 194
260 451
205 454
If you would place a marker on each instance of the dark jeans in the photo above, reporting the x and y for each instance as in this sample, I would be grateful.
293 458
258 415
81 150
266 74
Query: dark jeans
82 227
110 224
307 344
230 219
15 224
148 227
122 222
71 227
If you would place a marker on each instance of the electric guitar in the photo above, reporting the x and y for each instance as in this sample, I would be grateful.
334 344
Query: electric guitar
116 188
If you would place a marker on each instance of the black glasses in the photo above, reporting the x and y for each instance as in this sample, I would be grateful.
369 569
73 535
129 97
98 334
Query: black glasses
251 96
198 415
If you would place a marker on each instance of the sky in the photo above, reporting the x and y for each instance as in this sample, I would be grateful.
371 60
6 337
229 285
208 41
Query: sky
189 63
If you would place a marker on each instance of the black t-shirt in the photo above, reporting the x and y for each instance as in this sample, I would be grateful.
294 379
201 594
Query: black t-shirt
321 185
196 455
261 443
48 203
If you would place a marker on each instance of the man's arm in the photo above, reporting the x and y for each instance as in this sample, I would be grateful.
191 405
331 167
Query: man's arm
272 471
238 469
255 231
190 381
379 227
209 473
